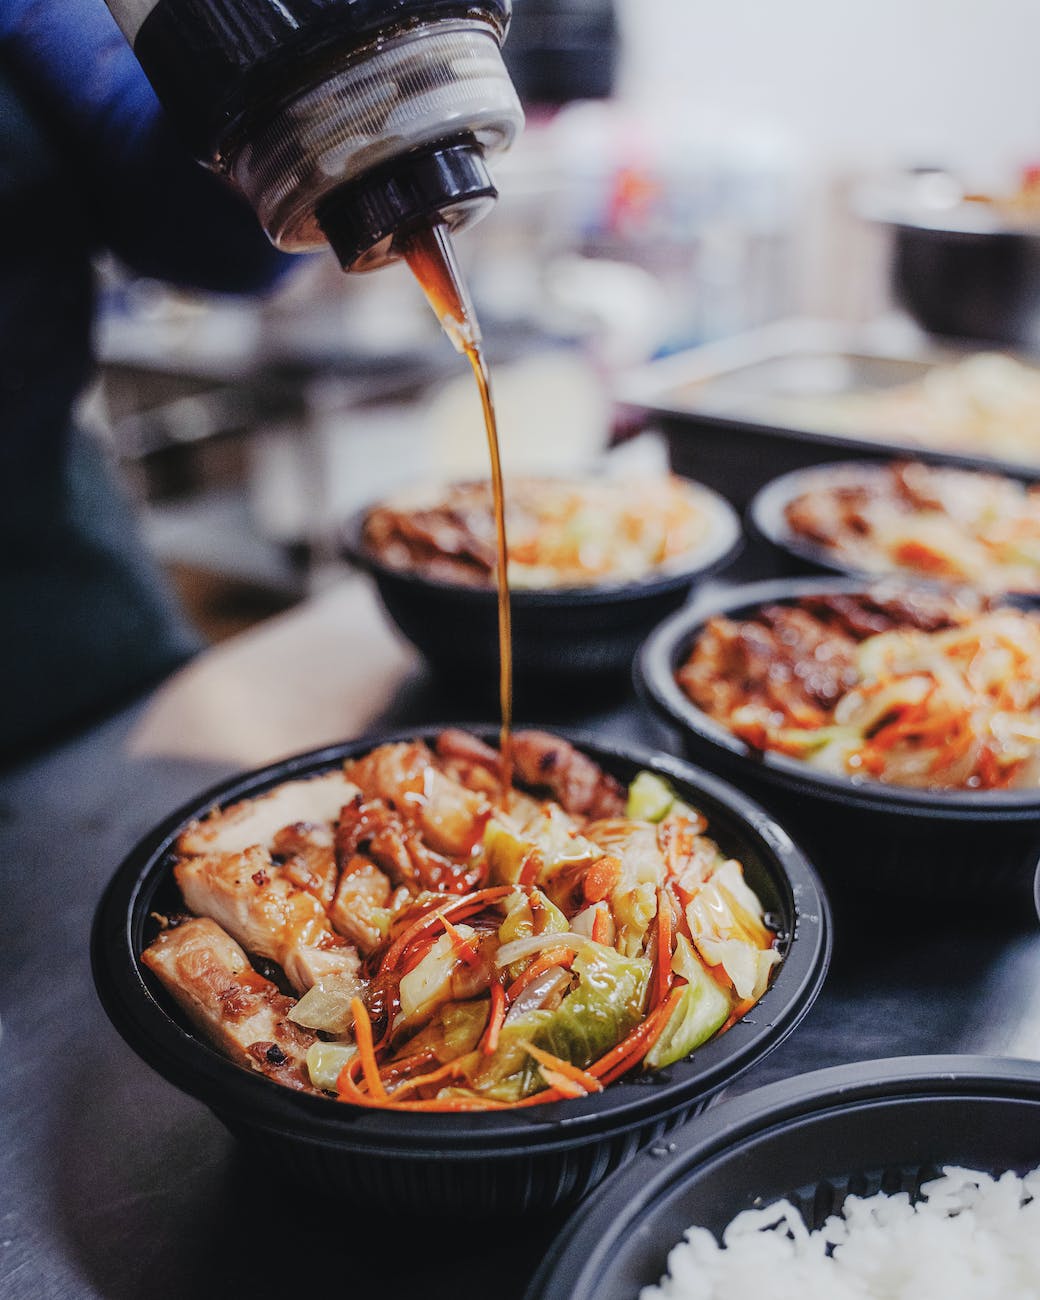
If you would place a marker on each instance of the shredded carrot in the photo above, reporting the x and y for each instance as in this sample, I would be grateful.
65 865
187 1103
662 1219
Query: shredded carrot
424 1080
363 1037
564 1086
738 1013
956 746
601 879
601 927
496 1016
663 975
544 961
463 948
466 905
396 1070
530 868
634 1046
573 1073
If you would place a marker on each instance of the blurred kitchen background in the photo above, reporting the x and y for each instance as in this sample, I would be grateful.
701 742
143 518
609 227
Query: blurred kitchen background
689 172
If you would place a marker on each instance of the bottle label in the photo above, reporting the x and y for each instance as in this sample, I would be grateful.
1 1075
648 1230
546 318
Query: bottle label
130 14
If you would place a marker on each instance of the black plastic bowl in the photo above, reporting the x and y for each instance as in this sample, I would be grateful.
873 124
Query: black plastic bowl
875 1126
767 516
566 640
943 844
528 1160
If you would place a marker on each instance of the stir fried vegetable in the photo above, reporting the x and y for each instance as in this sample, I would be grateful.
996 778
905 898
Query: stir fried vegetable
585 948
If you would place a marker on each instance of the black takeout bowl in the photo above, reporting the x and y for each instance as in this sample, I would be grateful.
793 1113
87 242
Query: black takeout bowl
566 640
767 519
888 1125
861 834
523 1161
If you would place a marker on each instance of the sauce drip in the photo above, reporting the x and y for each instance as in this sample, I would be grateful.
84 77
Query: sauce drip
431 257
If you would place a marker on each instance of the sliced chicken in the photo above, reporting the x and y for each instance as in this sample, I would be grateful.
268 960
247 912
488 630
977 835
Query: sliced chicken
249 896
406 778
315 801
577 783
360 910
308 858
470 761
400 850
239 1011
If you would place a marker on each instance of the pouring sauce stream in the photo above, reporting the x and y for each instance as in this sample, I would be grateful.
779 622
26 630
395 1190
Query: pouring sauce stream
430 256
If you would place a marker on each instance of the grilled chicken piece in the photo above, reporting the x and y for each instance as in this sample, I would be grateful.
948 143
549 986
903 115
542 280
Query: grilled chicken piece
399 849
470 761
249 896
406 778
359 910
257 821
381 832
309 858
793 666
548 762
240 1012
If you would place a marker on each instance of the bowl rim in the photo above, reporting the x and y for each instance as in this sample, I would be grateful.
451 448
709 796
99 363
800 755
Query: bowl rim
187 1061
765 517
630 1196
669 643
724 539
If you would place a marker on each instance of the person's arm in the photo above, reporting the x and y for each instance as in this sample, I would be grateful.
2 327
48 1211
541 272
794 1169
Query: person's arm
130 177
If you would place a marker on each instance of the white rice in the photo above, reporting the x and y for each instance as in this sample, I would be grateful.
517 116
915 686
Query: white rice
970 1237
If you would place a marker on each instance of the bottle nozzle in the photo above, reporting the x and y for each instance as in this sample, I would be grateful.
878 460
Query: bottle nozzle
368 220
430 254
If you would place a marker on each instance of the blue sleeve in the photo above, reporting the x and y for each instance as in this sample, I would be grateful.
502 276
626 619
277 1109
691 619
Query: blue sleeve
130 177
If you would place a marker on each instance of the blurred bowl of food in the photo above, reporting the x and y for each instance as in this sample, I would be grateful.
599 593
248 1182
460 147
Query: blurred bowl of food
594 564
401 987
895 728
938 1155
964 265
932 522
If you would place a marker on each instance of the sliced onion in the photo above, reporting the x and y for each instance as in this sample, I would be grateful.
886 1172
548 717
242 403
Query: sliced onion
326 1005
518 949
537 994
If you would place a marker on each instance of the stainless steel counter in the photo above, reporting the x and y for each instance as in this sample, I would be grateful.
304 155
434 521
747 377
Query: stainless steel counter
113 1184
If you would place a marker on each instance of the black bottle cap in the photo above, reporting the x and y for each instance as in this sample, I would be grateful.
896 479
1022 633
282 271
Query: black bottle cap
446 182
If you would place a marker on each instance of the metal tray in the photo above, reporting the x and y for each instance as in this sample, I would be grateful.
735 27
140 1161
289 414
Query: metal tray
727 412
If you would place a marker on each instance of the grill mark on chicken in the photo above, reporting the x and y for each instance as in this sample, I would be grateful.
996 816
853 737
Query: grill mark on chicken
547 762
241 1013
273 917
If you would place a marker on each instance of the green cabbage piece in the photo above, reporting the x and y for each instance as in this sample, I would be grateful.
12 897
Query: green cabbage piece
649 798
325 1060
551 834
652 799
701 1012
606 1005
519 918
